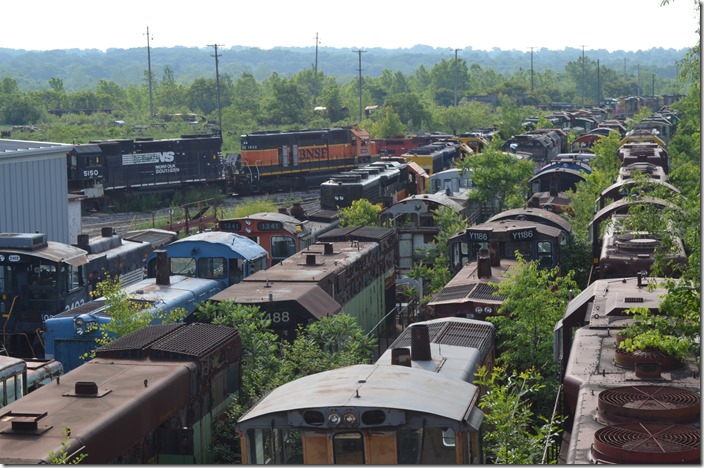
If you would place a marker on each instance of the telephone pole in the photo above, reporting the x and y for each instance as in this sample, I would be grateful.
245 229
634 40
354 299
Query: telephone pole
217 84
315 83
149 71
531 70
360 52
455 69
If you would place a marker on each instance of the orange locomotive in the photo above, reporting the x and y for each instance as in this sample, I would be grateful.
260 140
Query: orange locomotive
275 160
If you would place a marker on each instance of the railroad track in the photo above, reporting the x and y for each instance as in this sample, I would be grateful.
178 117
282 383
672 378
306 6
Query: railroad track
121 223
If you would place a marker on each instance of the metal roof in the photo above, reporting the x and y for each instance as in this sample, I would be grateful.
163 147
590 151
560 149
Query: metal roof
310 296
372 386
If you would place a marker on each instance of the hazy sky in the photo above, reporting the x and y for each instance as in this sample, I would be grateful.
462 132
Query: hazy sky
452 24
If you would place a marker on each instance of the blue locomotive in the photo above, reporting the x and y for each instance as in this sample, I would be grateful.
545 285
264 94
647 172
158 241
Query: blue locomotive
184 274
41 278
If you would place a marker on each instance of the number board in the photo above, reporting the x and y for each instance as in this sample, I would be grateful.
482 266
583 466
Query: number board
523 234
231 226
270 226
477 236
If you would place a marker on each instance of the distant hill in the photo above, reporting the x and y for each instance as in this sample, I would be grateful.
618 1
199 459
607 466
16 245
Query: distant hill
82 69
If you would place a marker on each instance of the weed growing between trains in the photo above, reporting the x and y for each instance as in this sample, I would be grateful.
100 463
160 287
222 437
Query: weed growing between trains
513 434
268 362
125 313
62 457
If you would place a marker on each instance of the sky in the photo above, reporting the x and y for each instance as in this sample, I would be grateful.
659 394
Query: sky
629 25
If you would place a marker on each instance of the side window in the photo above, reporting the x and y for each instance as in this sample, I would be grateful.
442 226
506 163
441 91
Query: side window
545 254
185 266
211 267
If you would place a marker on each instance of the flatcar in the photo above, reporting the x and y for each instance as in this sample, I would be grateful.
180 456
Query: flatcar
415 404
223 256
352 274
148 397
271 161
41 278
280 234
18 377
70 335
625 408
110 168
382 182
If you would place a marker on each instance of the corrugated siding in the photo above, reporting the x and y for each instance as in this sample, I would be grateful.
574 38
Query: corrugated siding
34 194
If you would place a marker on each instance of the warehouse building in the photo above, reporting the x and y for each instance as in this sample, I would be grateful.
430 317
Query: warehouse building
34 190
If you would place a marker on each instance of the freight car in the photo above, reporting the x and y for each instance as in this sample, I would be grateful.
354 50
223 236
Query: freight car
625 408
71 335
271 161
18 377
222 256
351 274
40 278
103 170
416 404
148 397
280 234
383 183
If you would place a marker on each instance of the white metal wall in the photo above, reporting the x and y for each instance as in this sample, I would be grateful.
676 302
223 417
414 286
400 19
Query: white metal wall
34 189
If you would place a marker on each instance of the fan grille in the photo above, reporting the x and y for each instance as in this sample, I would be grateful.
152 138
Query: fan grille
650 403
647 443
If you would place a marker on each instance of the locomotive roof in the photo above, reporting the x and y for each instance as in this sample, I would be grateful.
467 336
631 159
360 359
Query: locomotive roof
313 264
467 286
240 246
426 200
310 296
54 252
536 215
371 386
609 298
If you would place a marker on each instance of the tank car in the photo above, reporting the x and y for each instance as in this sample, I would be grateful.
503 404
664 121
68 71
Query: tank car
41 278
148 397
415 404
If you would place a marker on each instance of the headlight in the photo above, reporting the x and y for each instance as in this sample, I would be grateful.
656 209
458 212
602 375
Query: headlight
487 310
78 321
350 419
334 419
478 309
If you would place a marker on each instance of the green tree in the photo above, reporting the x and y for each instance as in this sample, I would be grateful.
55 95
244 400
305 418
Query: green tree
500 179
362 212
512 433
126 314
389 126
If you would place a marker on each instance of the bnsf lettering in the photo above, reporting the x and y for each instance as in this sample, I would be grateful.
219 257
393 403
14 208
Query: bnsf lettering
522 235
312 153
478 236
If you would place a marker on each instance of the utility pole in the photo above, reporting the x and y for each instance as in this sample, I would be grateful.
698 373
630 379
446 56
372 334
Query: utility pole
456 76
598 83
531 70
315 82
149 71
360 52
583 76
217 84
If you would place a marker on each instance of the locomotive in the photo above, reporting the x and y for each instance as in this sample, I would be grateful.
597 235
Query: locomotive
102 170
43 278
148 397
415 404
274 160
